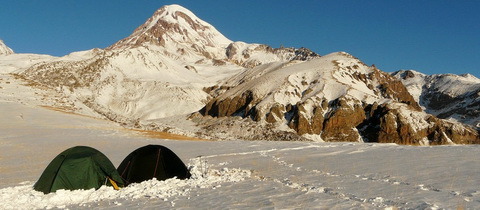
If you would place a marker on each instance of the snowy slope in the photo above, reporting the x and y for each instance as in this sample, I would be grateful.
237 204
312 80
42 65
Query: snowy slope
19 62
445 95
11 62
320 76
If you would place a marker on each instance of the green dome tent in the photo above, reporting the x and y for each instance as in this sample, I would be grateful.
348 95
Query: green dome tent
76 168
152 161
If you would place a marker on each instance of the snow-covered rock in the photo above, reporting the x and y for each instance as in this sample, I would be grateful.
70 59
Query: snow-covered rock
251 55
336 97
4 49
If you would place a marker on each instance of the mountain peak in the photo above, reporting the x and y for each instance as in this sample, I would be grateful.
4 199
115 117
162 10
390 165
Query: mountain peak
4 49
172 9
174 24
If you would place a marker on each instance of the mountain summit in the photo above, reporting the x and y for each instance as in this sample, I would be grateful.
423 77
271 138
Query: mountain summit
4 49
175 26
177 30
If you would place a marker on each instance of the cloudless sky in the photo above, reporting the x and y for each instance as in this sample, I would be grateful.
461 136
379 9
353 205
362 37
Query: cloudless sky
434 36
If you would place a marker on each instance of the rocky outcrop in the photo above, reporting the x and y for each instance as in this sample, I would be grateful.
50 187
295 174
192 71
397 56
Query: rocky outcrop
392 88
388 123
304 54
304 123
387 113
237 106
341 122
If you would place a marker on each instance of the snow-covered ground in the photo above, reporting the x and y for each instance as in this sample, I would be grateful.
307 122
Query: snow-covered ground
227 174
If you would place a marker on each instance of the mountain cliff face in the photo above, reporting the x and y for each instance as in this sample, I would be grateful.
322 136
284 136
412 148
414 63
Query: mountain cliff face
4 49
176 64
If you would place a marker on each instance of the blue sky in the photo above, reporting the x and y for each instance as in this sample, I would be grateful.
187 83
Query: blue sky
435 36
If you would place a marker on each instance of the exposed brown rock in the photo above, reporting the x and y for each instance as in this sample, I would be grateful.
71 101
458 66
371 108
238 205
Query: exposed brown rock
276 112
217 62
392 88
408 74
299 121
195 25
231 51
230 106
317 121
387 125
340 124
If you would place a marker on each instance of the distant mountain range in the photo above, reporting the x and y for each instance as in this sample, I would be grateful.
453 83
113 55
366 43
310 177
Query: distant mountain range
176 65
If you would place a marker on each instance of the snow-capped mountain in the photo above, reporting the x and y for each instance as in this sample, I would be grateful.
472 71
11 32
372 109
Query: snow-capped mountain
446 96
186 37
4 49
176 28
176 64
158 71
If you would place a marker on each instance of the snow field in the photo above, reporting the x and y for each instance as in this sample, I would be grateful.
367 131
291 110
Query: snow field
237 174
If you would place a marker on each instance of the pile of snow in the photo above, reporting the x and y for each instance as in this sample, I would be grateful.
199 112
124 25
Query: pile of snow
25 197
